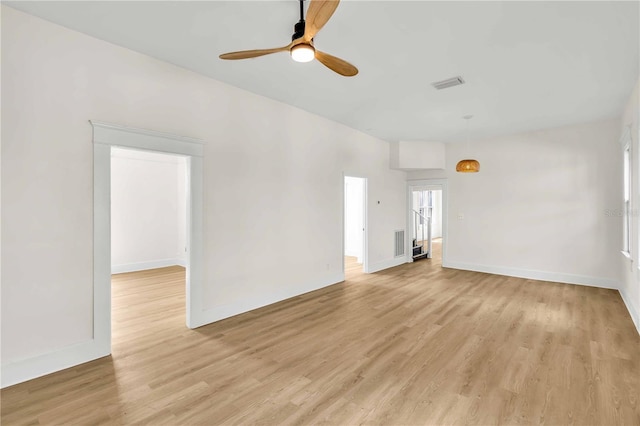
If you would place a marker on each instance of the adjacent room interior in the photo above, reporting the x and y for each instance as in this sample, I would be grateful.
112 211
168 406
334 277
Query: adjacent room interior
148 244
426 222
355 208
319 233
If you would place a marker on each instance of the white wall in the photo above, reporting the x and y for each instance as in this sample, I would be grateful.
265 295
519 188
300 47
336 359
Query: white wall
537 207
412 155
630 283
427 174
353 217
148 208
290 161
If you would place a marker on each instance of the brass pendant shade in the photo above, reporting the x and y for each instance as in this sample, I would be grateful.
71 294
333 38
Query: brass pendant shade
468 166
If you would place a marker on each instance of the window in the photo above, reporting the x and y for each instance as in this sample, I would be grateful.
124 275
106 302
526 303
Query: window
425 203
421 205
626 213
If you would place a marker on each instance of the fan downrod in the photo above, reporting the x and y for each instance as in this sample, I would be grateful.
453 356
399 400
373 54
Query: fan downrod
298 29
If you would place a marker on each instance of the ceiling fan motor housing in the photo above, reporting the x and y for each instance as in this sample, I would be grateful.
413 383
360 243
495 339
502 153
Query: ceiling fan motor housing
298 30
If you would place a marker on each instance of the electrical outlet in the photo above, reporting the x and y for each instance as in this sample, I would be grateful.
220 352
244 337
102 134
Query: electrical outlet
460 216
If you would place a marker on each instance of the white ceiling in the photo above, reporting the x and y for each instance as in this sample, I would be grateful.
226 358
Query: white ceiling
528 65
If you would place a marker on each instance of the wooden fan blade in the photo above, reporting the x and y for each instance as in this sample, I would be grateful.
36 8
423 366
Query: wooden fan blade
318 14
338 65
246 54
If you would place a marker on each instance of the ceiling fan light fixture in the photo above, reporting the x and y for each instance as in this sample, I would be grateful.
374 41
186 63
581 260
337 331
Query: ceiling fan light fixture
301 47
303 53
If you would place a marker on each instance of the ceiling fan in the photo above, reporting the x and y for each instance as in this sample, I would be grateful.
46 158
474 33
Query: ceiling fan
301 47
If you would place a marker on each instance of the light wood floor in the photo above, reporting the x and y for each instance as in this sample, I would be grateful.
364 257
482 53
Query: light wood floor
436 247
415 344
352 269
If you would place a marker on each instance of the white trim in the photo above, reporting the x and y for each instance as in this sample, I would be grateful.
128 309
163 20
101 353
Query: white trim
365 225
634 312
41 365
443 185
627 255
249 303
385 264
195 242
151 140
627 225
106 136
532 274
151 264
102 247
625 138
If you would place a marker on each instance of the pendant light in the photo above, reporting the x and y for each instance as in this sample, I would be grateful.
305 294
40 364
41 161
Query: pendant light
468 165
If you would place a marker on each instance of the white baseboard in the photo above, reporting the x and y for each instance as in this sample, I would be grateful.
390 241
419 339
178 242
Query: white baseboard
537 275
41 365
633 310
142 266
221 312
385 264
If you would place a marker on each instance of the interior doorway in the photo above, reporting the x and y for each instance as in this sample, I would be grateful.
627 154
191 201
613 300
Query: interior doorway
148 241
105 137
426 222
355 224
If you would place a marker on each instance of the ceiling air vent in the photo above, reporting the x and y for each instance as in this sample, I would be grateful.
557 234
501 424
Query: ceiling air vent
450 82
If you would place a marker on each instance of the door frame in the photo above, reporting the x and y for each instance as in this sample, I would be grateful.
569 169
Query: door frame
435 184
106 136
365 222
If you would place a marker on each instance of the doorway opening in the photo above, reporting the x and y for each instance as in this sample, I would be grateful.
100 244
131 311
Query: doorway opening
105 137
426 222
148 242
355 224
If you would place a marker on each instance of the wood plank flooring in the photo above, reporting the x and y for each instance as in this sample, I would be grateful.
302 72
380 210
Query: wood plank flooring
352 269
416 344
